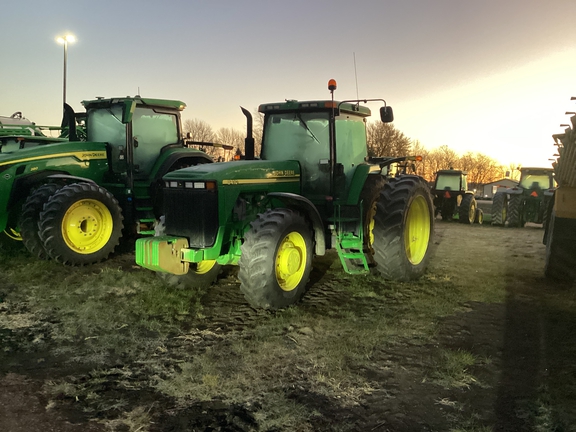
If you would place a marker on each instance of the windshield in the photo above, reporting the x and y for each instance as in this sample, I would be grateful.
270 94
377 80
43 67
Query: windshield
303 137
541 181
300 136
448 182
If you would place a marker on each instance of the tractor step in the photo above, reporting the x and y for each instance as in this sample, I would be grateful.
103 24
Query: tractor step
351 254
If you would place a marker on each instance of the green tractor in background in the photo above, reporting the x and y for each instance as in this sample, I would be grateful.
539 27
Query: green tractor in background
526 202
314 188
451 196
70 200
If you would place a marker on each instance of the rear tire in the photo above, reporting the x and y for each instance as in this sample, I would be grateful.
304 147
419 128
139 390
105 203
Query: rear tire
30 217
561 249
499 210
276 259
403 228
515 211
81 224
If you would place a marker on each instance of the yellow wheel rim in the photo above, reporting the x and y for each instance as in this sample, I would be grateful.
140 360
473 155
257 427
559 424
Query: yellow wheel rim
472 214
204 267
87 226
371 214
417 230
13 234
291 261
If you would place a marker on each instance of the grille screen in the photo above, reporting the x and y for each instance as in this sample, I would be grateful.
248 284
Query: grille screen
192 213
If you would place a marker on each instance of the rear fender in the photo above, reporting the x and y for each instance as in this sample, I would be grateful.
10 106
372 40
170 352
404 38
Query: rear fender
517 191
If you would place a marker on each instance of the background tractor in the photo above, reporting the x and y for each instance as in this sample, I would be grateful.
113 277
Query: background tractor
560 233
451 196
526 202
70 200
314 188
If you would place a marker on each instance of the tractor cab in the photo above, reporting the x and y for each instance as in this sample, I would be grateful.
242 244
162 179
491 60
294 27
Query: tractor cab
137 130
536 178
310 132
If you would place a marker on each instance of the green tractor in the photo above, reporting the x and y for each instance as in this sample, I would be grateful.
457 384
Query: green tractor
451 196
526 202
314 188
72 200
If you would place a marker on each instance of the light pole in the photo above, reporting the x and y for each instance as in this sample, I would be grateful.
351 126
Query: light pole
64 40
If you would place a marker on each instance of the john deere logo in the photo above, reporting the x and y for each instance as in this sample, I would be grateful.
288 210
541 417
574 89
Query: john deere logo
92 155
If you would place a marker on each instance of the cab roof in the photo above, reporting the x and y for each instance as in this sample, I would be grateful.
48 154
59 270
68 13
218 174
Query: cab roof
161 103
310 106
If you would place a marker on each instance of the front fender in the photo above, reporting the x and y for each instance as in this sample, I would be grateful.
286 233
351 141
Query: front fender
304 205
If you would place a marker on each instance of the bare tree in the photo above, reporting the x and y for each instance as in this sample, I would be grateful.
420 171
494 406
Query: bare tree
257 130
423 168
199 130
383 139
232 137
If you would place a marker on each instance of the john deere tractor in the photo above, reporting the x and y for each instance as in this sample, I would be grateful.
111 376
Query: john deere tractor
313 189
451 196
526 202
70 200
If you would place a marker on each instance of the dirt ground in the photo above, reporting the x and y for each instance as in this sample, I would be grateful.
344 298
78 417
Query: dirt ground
527 384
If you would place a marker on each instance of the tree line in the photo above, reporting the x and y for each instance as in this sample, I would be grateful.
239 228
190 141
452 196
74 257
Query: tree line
383 139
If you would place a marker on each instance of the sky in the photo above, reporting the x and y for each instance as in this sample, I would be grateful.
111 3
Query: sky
487 76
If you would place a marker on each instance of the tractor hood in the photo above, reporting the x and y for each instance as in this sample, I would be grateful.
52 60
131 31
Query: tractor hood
245 172
40 149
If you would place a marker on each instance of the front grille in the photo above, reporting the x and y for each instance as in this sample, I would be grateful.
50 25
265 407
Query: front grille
192 213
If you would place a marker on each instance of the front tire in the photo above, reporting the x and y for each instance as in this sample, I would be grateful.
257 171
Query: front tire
276 259
81 224
29 219
467 209
479 219
403 228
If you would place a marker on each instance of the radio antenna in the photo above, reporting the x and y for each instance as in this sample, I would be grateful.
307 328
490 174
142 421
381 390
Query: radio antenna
356 76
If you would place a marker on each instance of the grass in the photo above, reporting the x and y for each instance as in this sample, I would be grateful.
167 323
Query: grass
131 330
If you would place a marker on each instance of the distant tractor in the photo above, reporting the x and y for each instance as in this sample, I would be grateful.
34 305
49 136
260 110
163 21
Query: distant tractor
71 199
526 202
451 196
314 188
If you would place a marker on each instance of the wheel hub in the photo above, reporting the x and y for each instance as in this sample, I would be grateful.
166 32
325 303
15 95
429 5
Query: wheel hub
289 260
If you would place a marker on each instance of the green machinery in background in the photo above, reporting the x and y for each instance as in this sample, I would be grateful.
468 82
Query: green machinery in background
526 202
72 197
451 196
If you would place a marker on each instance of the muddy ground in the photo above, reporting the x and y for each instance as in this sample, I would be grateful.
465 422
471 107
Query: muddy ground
526 383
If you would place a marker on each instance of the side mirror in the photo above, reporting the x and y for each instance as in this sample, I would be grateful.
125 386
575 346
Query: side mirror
386 114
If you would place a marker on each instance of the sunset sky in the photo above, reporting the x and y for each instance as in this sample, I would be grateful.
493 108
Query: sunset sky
487 76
